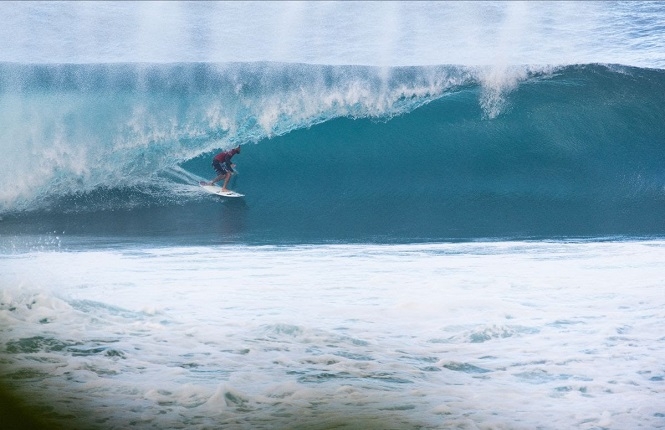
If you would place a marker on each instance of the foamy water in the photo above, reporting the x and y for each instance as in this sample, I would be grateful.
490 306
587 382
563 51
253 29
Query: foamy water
477 335
113 317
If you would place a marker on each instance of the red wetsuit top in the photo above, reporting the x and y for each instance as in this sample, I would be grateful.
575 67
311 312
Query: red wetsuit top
222 161
224 157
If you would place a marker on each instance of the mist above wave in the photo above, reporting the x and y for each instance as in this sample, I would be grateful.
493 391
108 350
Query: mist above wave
340 33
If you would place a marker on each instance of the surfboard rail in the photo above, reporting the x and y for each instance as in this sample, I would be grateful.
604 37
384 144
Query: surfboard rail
214 189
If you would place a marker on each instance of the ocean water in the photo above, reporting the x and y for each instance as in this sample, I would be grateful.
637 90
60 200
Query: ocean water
453 215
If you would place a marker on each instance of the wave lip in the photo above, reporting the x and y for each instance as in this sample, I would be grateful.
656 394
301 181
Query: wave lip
112 126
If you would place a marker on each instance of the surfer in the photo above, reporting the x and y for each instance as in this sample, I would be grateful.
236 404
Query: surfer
223 166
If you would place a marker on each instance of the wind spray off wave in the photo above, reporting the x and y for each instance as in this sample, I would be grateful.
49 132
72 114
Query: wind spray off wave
73 128
369 33
452 100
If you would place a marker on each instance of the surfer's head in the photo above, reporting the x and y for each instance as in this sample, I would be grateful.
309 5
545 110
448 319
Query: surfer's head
236 150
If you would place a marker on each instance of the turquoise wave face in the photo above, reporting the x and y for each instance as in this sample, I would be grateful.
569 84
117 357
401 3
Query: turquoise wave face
71 129
407 154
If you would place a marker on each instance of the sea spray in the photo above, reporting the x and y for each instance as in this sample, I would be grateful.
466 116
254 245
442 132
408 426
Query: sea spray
582 143
74 128
337 33
438 226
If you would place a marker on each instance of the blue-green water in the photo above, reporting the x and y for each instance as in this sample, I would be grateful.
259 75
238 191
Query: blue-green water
425 154
453 215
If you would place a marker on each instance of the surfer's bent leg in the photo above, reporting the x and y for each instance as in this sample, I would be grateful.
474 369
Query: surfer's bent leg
226 181
221 173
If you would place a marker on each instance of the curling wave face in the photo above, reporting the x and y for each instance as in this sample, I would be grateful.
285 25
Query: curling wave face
456 151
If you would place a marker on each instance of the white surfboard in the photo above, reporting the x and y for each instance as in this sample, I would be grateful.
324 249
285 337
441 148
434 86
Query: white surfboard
214 189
